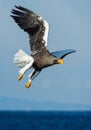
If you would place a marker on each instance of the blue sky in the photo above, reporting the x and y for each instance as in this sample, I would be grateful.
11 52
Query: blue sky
70 27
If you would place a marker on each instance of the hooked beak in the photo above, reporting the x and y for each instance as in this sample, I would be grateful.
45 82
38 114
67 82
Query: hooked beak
60 61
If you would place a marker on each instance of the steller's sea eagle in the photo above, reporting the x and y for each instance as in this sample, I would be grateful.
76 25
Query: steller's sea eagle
40 58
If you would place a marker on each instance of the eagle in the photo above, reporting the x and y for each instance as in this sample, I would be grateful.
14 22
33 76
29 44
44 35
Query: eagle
37 28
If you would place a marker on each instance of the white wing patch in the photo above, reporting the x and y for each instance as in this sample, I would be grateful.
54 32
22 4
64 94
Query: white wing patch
46 25
45 37
21 59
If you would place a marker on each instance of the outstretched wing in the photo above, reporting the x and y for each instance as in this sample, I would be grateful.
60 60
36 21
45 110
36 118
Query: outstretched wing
61 54
34 25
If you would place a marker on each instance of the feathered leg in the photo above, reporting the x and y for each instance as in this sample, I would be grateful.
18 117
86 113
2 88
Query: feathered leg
24 69
33 74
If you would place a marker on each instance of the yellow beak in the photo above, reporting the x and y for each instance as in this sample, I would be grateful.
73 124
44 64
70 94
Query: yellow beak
60 61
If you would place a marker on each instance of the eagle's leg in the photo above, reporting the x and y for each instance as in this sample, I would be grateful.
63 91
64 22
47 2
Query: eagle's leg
24 69
33 74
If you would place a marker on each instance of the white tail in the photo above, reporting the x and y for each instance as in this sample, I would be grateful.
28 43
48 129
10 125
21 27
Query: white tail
21 59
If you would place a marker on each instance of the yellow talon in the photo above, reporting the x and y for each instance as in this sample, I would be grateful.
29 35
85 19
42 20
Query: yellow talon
28 84
20 76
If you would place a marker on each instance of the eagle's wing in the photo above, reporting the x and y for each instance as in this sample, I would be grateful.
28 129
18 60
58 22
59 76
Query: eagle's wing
34 25
61 54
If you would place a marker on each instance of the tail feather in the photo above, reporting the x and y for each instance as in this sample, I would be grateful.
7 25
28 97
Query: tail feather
21 59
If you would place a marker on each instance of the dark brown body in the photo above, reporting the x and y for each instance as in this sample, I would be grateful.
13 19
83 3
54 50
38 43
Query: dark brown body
43 59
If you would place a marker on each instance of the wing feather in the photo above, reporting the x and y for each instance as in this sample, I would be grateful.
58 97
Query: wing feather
34 25
61 54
